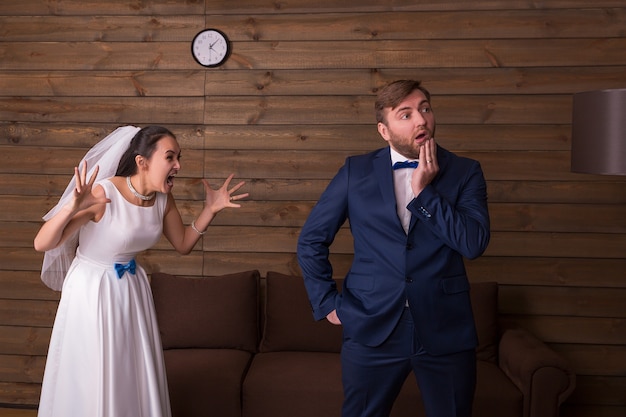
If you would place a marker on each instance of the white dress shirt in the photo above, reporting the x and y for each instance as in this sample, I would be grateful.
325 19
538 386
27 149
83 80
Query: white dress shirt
402 188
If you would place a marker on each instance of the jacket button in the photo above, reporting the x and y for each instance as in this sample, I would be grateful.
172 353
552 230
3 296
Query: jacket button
409 280
409 246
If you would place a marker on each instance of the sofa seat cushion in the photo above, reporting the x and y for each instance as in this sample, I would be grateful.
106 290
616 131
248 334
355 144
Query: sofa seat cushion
496 396
210 312
206 381
287 384
293 384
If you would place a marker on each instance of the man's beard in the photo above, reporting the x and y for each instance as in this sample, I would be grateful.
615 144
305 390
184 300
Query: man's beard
407 147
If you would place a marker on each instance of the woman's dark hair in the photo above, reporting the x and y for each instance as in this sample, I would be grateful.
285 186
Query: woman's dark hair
144 144
393 93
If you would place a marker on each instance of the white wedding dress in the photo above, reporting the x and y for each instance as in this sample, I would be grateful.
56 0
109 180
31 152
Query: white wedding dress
105 357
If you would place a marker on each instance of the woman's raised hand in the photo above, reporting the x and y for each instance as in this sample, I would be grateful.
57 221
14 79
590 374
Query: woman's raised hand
217 200
83 196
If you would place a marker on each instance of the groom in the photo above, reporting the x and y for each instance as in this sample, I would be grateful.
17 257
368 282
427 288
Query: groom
415 211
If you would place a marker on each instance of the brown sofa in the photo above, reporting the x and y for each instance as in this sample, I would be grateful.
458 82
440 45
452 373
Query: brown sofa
244 346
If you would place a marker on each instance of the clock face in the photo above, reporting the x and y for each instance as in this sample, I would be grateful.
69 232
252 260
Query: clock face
210 48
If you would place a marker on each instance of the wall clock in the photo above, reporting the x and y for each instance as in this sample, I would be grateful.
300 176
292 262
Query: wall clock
210 48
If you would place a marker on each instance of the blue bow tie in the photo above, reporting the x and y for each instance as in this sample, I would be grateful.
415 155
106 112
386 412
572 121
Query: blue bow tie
405 164
121 268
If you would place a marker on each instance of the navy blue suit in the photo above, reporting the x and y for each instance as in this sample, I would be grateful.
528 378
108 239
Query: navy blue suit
449 221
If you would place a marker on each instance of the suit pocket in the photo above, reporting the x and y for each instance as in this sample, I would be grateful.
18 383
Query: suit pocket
359 282
455 285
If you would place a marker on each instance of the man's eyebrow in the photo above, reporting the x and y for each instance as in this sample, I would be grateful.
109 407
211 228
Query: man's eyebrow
421 103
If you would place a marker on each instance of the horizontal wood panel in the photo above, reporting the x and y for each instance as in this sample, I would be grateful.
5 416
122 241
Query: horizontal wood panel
575 330
82 135
61 161
137 28
439 81
20 259
304 54
191 83
365 137
43 191
353 138
281 110
577 218
213 7
25 285
32 313
504 270
154 260
598 192
541 271
504 217
187 83
17 237
482 109
294 164
220 263
98 7
23 340
20 394
22 368
305 6
324 165
584 245
536 244
563 301
156 110
499 24
597 360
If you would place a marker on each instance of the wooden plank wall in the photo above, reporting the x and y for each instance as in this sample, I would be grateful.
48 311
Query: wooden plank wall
295 99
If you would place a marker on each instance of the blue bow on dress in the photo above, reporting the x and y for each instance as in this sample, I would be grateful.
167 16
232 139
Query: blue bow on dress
405 164
122 268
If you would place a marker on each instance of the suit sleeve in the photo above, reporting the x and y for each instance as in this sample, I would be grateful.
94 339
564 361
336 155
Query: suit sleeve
317 234
458 217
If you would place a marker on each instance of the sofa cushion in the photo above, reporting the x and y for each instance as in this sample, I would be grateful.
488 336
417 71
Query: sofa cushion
206 381
308 384
293 384
484 297
212 312
289 323
496 395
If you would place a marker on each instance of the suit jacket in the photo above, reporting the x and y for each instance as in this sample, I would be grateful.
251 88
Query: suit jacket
449 221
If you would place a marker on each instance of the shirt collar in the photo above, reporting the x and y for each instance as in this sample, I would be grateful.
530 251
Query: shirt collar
397 157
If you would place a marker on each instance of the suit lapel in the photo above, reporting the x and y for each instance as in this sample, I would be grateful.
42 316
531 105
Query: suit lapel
384 174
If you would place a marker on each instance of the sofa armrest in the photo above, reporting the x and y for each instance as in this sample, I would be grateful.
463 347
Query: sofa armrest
543 376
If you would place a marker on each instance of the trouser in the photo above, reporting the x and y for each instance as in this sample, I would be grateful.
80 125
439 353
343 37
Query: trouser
373 376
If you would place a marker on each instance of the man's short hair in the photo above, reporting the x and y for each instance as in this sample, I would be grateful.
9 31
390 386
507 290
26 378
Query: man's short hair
393 93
